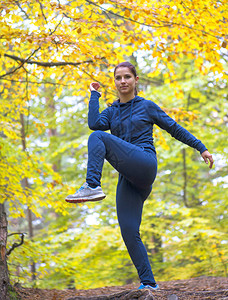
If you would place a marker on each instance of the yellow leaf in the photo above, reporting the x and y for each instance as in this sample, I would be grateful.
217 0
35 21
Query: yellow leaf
224 44
127 13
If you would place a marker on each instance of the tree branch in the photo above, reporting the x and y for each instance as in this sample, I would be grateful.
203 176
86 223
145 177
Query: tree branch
15 233
36 82
21 65
15 245
46 64
165 24
41 8
126 18
115 14
22 10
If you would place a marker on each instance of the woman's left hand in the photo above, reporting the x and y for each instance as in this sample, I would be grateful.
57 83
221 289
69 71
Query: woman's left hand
207 156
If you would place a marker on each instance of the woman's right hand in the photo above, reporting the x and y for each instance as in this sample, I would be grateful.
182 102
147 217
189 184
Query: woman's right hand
94 86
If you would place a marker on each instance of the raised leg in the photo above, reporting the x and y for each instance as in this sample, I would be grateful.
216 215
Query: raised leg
135 164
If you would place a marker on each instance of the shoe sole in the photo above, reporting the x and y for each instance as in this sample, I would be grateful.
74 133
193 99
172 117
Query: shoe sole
84 200
151 288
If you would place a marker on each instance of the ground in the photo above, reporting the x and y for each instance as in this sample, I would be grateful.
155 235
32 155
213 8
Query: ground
196 288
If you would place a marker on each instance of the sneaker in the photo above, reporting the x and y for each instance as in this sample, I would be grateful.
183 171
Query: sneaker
86 193
147 286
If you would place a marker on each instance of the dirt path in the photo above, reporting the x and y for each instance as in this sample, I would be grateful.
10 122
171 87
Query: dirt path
196 288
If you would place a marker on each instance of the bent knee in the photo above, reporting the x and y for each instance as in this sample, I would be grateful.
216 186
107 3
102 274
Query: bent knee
99 134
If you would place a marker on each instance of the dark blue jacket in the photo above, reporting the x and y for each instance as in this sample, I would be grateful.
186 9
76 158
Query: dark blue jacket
133 122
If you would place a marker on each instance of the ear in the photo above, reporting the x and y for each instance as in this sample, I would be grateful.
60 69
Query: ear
137 79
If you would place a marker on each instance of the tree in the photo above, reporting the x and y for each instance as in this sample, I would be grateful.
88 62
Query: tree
4 279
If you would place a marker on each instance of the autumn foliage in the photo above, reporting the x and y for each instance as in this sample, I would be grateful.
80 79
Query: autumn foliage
50 52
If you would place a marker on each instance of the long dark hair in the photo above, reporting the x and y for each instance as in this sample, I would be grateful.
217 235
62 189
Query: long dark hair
132 69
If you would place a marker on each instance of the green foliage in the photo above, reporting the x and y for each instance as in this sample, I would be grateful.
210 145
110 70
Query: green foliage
184 220
188 206
180 68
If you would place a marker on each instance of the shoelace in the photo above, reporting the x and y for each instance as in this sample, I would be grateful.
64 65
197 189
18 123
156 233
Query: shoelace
81 188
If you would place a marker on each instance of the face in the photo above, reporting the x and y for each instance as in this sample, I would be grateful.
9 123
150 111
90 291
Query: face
125 81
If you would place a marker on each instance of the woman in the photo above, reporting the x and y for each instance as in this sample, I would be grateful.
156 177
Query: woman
130 150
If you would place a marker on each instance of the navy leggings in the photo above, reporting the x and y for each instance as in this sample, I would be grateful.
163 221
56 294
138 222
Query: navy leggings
137 171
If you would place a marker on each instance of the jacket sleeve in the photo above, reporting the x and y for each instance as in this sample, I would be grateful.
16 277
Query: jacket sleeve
160 118
97 120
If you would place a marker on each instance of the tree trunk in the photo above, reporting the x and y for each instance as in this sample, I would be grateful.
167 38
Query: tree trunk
25 185
156 250
4 275
185 179
30 226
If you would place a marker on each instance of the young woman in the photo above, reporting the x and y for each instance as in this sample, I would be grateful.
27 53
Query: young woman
130 150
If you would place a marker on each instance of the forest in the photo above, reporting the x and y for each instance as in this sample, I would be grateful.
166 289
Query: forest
50 53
